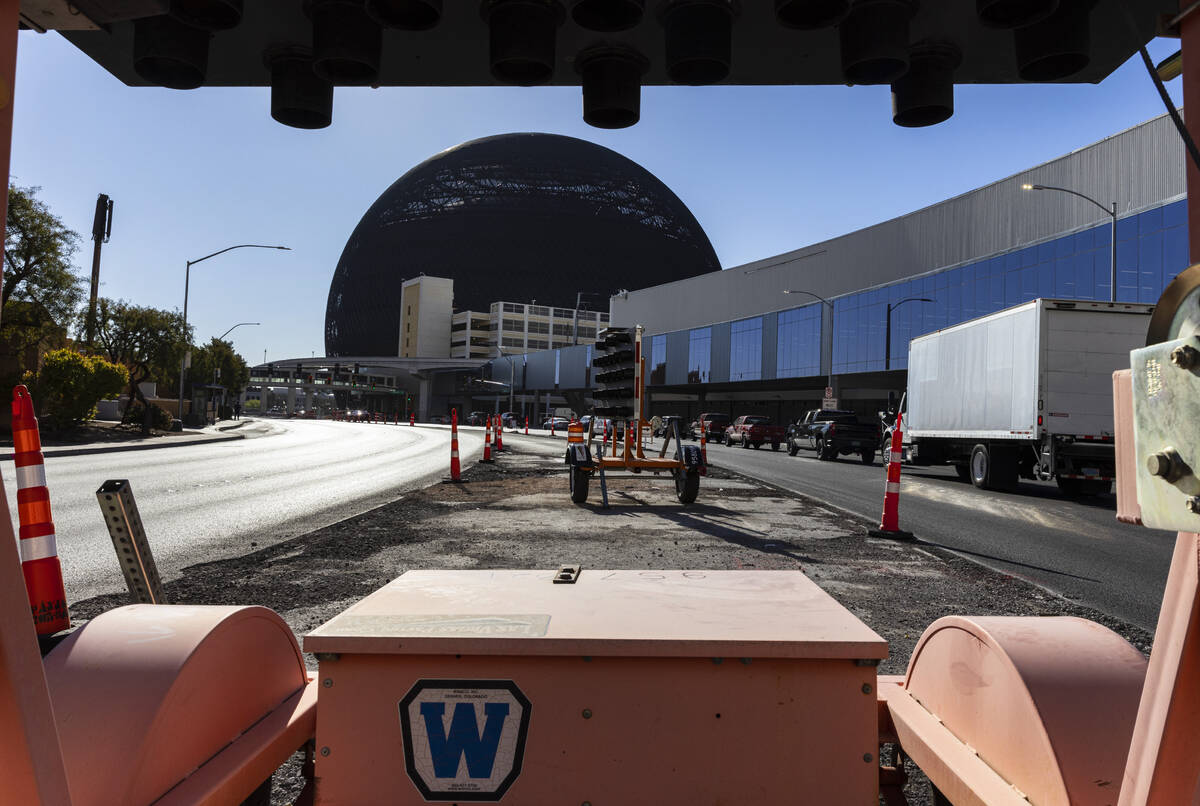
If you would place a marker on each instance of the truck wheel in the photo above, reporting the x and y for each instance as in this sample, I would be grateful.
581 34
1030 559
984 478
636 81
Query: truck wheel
867 457
745 443
728 441
579 485
774 446
792 449
823 454
756 445
687 485
981 465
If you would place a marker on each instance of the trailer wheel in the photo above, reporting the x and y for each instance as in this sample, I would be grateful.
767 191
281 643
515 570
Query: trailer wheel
981 464
792 449
687 485
579 485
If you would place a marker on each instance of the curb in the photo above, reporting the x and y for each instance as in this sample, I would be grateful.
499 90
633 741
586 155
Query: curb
125 448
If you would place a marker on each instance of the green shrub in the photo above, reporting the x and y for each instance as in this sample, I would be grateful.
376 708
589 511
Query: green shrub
160 418
69 384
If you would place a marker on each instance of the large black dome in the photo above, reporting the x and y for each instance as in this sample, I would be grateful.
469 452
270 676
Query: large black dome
512 217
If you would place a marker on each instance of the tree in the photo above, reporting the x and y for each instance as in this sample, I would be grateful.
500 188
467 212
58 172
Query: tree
40 292
149 342
216 362
68 385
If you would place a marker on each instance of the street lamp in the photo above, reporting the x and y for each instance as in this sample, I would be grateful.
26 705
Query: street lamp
887 350
829 379
187 277
239 324
1112 282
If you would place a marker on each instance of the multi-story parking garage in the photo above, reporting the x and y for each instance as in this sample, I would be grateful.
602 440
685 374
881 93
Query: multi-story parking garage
769 336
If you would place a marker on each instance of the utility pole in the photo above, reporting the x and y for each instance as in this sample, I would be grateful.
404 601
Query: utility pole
101 232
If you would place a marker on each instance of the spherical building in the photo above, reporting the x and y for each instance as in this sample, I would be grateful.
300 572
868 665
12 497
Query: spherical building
515 217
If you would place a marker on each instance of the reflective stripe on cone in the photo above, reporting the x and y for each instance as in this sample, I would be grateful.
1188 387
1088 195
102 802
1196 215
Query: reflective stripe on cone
38 545
487 439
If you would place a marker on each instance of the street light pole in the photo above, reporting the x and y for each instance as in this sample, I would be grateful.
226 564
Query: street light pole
187 278
887 350
1112 263
579 295
239 324
829 377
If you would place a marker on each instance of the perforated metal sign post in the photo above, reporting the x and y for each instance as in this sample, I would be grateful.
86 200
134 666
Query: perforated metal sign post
464 739
129 539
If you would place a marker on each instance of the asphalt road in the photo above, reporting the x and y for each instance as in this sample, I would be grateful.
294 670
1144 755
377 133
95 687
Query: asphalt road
206 502
1074 547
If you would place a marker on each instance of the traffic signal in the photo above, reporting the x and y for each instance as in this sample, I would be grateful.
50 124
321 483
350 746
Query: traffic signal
616 373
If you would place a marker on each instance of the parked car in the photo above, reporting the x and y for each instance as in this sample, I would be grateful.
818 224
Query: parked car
711 424
440 419
832 432
754 429
476 417
510 419
603 426
560 423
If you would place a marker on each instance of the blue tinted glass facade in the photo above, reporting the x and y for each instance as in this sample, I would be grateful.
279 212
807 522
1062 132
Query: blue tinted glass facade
657 360
699 355
745 350
799 342
1151 249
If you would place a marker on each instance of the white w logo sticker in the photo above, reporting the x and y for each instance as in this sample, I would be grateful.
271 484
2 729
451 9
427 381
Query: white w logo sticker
464 739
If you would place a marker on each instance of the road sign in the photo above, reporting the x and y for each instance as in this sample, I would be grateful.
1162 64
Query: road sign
464 739
829 392
829 402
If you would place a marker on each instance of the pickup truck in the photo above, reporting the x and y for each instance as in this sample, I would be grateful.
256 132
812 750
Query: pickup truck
833 433
712 425
750 429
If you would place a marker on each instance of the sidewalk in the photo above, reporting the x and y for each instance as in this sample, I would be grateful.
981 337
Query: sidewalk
119 441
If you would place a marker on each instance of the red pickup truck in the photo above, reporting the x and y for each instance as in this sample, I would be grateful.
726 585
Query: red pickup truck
751 429
712 425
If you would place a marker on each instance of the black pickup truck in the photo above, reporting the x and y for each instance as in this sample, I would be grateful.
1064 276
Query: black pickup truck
833 433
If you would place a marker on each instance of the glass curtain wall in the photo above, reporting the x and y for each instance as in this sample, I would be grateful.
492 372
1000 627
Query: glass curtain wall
745 350
799 340
658 359
699 355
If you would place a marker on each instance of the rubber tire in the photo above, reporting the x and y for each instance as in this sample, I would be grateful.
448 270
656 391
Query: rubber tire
745 443
867 457
728 441
687 485
756 445
774 446
821 452
792 449
979 466
963 472
579 485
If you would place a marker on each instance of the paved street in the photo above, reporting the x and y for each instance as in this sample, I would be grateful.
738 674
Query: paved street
212 501
1074 547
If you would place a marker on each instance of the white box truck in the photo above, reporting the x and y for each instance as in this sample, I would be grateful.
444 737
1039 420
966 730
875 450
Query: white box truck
1023 393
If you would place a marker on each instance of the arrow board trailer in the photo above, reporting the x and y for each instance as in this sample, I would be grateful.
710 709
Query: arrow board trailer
1023 393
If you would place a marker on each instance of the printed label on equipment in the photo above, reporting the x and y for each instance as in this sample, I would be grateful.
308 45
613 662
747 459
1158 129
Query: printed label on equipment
464 739
438 625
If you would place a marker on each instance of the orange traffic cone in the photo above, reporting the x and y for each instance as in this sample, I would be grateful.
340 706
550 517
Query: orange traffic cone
455 468
499 433
39 552
412 418
703 454
526 426
889 524
487 439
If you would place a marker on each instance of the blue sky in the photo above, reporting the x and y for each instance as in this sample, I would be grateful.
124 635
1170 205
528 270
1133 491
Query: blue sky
764 169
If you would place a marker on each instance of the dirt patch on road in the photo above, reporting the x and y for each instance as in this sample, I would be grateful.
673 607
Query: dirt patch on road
517 514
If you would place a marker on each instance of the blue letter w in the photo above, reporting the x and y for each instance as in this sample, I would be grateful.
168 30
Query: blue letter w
464 737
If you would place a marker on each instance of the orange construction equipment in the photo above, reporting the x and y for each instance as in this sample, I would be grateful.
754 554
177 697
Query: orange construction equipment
487 440
455 468
889 524
39 552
